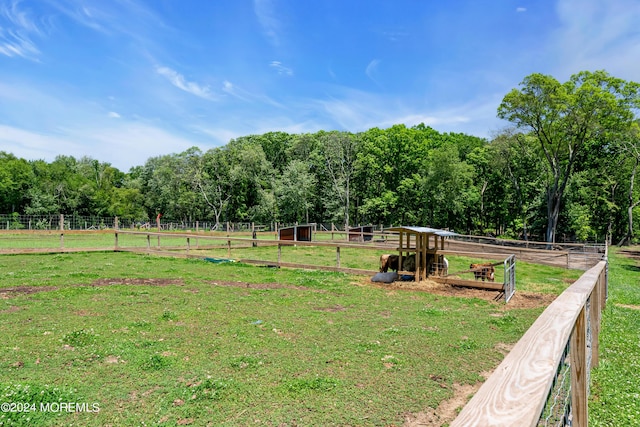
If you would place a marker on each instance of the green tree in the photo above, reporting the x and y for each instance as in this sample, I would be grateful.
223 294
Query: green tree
16 176
340 150
564 118
295 191
448 189
630 148
212 179
167 183
514 157
250 173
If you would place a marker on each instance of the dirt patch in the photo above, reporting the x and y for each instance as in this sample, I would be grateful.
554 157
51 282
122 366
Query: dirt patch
333 309
85 313
11 309
530 300
263 286
136 282
519 300
631 253
7 293
632 307
503 348
446 411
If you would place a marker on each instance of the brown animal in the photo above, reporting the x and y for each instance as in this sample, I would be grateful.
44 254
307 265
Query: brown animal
483 271
388 261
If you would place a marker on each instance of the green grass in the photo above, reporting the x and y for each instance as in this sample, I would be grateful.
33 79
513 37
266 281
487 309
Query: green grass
615 388
317 349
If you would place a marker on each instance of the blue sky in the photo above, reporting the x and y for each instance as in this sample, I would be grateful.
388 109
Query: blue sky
125 80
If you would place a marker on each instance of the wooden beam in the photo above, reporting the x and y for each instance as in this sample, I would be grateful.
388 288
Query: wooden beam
516 392
478 284
579 377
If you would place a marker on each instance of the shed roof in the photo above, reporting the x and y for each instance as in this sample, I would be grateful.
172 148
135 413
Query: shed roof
423 230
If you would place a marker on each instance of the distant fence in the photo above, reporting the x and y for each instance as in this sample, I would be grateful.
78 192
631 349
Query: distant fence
82 222
544 380
568 255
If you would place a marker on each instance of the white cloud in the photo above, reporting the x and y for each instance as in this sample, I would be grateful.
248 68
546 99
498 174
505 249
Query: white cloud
521 9
371 69
600 34
265 12
395 35
114 115
281 69
220 136
16 28
124 145
180 82
34 145
244 95
357 111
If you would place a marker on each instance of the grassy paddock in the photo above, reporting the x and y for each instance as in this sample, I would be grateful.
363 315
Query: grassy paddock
172 341
615 389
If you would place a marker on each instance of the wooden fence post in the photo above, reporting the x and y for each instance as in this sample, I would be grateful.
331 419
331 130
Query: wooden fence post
279 253
188 245
338 256
578 353
116 243
254 236
61 231
228 246
594 323
148 242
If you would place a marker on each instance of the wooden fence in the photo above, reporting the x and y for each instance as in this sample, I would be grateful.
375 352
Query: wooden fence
544 380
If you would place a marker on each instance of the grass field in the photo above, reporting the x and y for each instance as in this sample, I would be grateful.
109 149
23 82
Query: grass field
615 389
163 341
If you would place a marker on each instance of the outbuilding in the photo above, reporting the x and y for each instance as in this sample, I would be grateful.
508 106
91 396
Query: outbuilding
297 233
363 233
424 243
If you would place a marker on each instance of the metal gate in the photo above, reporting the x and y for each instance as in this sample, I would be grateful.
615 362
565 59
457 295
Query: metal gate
509 277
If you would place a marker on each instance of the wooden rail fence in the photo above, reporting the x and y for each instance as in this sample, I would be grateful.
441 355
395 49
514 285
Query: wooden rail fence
544 380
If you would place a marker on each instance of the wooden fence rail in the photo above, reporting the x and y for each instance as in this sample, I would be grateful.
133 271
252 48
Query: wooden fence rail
564 336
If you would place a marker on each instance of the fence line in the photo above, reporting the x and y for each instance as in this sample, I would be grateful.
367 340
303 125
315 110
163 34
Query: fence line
544 379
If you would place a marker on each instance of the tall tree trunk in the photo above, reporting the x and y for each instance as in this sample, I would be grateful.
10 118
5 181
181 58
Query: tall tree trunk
626 240
553 212
346 213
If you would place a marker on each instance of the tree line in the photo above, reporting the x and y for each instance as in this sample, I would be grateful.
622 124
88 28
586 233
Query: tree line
565 170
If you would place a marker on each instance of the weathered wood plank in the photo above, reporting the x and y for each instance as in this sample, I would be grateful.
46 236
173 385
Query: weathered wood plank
516 392
579 378
479 284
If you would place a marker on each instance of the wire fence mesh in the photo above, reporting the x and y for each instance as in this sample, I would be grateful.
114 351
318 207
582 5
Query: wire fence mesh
557 409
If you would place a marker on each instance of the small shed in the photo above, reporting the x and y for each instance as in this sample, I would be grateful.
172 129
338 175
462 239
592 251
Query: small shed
363 233
298 233
424 242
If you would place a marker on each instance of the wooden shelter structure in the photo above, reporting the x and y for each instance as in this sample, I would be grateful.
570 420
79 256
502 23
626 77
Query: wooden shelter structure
297 233
424 243
363 233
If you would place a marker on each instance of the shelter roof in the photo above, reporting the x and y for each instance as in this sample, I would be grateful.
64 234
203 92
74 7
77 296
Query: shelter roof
423 230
